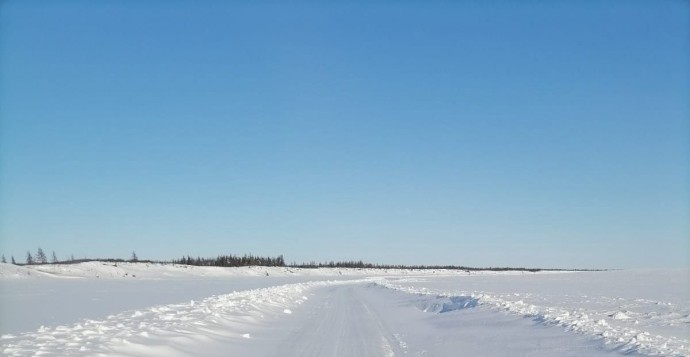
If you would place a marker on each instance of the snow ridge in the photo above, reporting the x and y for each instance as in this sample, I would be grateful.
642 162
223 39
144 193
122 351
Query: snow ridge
166 329
160 271
601 324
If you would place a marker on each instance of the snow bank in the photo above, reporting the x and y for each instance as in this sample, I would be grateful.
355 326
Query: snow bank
175 329
11 271
128 270
632 324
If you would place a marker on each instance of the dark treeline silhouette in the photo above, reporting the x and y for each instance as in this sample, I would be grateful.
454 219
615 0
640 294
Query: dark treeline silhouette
362 265
232 261
252 260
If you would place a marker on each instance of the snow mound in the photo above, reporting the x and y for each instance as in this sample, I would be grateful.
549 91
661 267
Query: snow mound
158 271
620 316
444 304
149 271
11 271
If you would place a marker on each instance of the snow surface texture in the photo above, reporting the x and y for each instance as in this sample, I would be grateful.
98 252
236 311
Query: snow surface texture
163 330
346 312
652 319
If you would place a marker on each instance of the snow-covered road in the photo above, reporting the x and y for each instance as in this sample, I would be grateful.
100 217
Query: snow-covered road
365 319
357 313
337 318
341 322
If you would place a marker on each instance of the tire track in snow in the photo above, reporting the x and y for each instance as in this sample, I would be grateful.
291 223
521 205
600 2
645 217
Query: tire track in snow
341 324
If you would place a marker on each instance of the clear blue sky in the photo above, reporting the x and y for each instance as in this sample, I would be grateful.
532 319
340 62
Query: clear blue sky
551 134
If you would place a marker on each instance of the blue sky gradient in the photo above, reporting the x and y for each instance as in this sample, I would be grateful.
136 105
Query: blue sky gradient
487 134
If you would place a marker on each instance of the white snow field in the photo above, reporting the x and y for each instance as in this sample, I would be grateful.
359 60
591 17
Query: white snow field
138 309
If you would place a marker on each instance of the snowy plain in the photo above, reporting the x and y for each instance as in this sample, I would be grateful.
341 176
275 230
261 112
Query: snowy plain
139 309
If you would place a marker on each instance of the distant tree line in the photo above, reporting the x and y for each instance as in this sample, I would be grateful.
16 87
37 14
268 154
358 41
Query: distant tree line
359 264
40 258
232 261
252 260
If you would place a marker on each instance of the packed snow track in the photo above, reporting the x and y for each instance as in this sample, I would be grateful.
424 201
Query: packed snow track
355 318
341 323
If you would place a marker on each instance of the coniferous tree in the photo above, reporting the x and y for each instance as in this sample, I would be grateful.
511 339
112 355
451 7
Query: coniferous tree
41 257
29 258
3 259
233 261
13 262
54 259
134 257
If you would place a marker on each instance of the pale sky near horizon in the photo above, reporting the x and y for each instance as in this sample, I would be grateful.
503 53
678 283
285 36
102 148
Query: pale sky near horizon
540 134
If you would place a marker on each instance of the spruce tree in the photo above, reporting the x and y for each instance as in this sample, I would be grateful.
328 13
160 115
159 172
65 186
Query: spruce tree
3 259
29 258
54 259
13 262
41 257
134 257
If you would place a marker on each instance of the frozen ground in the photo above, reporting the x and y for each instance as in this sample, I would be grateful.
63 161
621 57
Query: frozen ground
139 310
